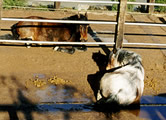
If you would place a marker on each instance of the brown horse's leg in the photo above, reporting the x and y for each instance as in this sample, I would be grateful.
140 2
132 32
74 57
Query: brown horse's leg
81 47
66 50
28 45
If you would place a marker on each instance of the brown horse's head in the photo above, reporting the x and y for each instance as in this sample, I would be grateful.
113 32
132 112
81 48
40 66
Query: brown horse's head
83 28
83 32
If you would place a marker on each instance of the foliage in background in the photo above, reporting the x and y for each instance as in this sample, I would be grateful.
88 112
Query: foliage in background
7 3
113 7
129 7
160 8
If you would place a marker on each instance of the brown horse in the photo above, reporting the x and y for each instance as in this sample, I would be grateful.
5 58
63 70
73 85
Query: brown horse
45 31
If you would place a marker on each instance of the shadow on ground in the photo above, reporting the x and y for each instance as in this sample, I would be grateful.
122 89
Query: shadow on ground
22 104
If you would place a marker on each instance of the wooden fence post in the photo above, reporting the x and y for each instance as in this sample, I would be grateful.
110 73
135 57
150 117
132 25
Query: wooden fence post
119 31
151 7
57 5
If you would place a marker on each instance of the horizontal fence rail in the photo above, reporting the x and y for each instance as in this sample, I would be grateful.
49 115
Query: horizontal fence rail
27 7
80 22
101 2
150 4
77 43
79 1
147 24
59 21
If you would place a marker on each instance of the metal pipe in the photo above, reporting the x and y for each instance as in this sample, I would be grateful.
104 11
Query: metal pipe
80 22
77 43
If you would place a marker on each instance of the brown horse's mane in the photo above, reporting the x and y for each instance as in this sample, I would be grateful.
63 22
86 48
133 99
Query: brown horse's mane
76 17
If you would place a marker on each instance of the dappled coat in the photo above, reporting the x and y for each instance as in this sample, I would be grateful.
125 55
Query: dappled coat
123 83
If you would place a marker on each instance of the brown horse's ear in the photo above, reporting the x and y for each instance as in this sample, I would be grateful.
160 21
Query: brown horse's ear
99 52
86 15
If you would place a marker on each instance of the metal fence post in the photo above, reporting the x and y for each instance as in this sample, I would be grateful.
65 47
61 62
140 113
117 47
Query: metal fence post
119 31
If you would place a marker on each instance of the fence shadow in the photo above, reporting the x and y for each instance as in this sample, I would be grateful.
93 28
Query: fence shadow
23 105
6 37
94 79
97 39
20 103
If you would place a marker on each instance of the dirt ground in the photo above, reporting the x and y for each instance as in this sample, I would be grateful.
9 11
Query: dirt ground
39 83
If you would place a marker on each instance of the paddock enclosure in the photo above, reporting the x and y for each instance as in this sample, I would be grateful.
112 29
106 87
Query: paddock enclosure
39 83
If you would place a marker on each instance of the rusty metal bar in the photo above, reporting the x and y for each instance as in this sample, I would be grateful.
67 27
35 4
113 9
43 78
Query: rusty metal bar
119 31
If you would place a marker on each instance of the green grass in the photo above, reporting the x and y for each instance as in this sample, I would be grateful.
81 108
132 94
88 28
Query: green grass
7 3
129 7
160 8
